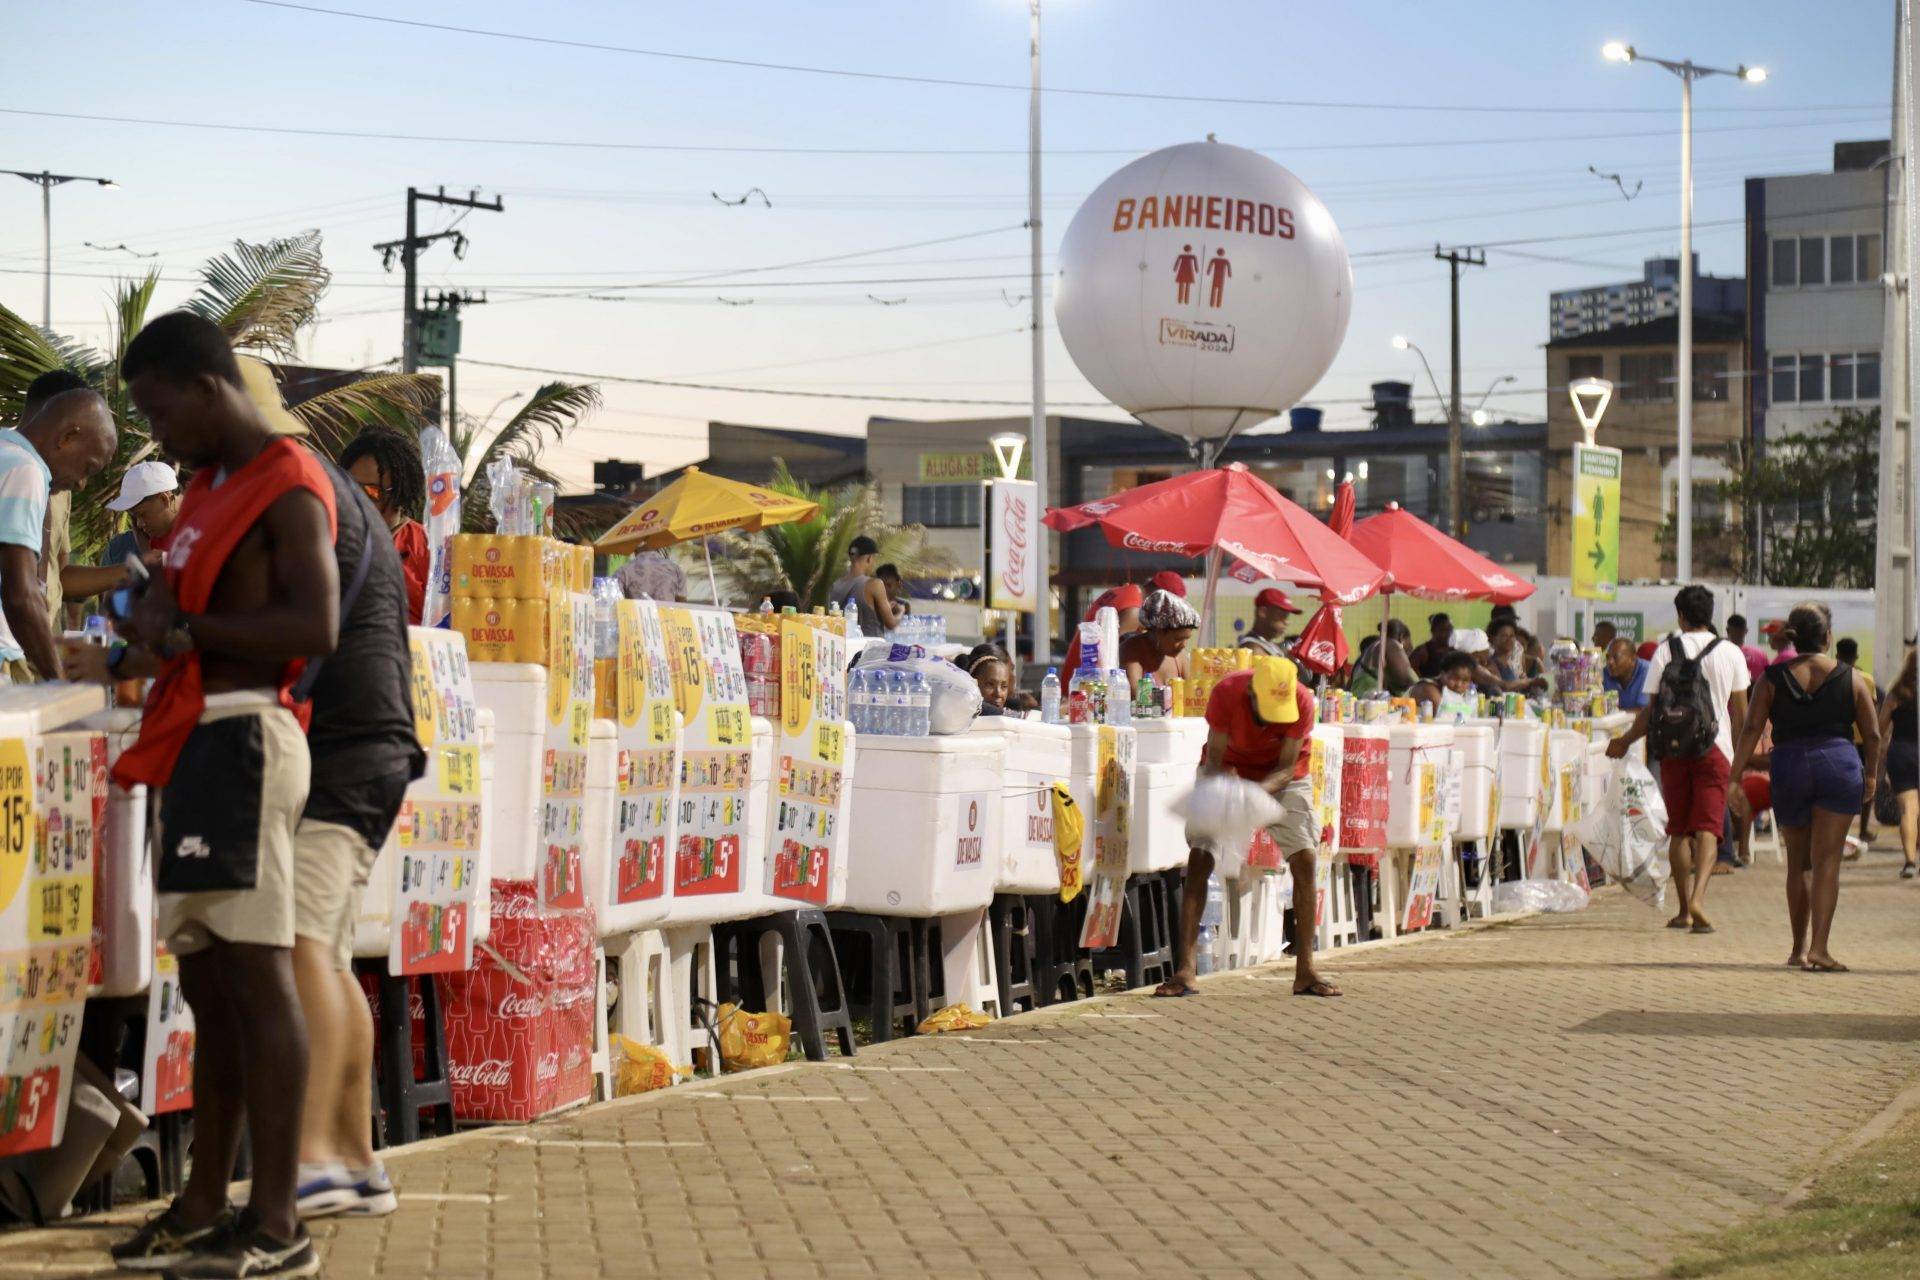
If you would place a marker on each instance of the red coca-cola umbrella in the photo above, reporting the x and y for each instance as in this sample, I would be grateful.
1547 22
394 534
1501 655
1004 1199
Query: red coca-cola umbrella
1321 646
1228 511
1428 564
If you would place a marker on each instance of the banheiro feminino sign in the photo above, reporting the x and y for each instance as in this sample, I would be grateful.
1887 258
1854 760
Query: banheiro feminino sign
1014 549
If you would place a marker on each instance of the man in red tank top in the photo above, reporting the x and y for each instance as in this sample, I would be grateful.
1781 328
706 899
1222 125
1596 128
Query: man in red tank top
249 594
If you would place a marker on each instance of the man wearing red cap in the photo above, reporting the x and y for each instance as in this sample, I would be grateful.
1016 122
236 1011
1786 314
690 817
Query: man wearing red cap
1124 600
1268 635
1168 580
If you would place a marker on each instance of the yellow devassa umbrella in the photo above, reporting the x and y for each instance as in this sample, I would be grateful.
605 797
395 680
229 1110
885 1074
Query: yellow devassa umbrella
696 505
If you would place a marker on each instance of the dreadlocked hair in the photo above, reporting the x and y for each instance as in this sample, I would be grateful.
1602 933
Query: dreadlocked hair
397 454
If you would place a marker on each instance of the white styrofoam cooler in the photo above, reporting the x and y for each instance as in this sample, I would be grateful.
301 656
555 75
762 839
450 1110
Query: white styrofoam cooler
1416 752
373 927
1159 835
597 818
124 884
516 693
30 709
1038 755
752 898
927 824
1523 746
1473 745
1173 740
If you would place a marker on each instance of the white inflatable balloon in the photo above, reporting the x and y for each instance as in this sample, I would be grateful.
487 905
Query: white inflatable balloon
1203 288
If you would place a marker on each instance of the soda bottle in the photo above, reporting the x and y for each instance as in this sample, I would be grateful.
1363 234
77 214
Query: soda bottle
1146 699
1050 697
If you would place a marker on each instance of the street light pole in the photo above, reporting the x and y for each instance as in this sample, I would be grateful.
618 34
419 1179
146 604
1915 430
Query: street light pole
47 182
1042 619
1688 71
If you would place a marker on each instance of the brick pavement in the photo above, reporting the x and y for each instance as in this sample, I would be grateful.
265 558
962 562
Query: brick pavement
1561 1096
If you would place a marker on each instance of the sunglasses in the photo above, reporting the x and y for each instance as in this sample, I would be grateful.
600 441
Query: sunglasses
373 491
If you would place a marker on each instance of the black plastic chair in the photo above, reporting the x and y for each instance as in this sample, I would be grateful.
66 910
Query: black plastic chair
810 965
894 989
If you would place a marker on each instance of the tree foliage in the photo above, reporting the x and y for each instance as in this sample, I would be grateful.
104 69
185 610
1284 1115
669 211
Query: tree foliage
1812 499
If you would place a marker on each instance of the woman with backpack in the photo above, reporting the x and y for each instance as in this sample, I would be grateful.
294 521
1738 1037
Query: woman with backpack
1814 704
1897 728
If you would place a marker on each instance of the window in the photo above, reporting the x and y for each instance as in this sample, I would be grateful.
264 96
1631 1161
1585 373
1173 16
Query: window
1709 375
941 506
1840 260
1841 378
1867 259
1813 261
1866 375
1786 379
1786 262
1585 367
1648 378
1813 379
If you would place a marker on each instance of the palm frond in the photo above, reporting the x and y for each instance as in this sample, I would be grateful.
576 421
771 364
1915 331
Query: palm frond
26 352
546 417
131 300
402 400
261 295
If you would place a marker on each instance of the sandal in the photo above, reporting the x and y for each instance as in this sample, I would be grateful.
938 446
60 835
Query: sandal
1319 987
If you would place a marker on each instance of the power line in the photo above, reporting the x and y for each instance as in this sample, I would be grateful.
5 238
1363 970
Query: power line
1009 86
581 144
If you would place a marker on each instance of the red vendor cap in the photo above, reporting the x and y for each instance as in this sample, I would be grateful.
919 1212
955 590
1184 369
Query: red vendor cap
1168 580
1275 598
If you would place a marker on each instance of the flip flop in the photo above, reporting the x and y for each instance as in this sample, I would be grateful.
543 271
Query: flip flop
1678 923
1702 928
1160 994
1835 967
1322 988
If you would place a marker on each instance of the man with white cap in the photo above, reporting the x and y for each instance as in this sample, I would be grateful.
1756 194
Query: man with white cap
150 499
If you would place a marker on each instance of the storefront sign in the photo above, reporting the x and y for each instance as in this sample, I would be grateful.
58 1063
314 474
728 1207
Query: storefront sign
436 839
649 761
961 468
1596 522
710 688
49 846
810 772
1014 547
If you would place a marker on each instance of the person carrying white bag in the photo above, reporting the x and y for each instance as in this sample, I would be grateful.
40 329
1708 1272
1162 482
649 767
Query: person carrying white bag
1259 722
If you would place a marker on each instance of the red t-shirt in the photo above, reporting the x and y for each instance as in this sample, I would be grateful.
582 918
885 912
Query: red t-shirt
416 557
1253 747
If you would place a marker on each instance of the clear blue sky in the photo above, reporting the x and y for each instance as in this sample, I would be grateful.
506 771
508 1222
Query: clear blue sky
584 219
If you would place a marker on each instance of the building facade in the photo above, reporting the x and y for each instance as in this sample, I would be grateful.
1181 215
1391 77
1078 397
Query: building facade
1572 312
1642 421
1816 252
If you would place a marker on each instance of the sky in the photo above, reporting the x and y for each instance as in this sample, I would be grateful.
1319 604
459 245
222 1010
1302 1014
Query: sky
1460 124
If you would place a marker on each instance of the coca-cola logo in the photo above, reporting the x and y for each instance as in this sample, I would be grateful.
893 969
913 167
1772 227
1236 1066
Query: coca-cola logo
519 1006
516 907
1134 542
1098 508
548 1068
1013 524
1321 651
494 1073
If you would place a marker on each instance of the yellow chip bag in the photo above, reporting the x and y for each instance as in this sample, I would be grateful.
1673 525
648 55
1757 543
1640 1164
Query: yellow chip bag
1069 830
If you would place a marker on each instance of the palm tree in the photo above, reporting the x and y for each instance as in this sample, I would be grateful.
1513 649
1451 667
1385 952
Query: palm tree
806 556
545 418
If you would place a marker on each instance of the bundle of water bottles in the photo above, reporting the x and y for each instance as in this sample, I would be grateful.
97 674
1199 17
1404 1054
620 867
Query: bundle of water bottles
890 702
923 629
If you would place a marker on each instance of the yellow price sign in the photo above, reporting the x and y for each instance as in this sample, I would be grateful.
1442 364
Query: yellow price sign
60 907
686 659
797 675
459 770
16 817
659 724
559 658
830 743
579 724
729 726
426 694
632 680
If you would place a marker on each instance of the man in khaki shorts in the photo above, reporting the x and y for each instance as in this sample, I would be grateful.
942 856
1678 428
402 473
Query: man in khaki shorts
364 754
249 593
1259 722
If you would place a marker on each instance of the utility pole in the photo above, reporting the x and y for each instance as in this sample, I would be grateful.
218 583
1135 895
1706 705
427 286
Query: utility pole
47 182
1042 451
1456 461
444 347
407 252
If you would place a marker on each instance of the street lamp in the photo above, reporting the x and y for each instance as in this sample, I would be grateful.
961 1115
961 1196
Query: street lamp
47 182
1402 343
1480 415
1688 71
1007 448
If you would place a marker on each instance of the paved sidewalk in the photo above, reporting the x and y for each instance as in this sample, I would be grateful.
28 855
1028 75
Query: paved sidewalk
1562 1096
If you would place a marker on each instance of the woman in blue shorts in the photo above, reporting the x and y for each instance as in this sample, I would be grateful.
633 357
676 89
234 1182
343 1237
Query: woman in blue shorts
1819 786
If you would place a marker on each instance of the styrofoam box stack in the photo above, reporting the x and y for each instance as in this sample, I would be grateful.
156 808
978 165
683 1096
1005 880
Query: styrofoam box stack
1522 743
516 693
1473 744
125 881
1166 760
925 840
1038 755
1412 749
1174 740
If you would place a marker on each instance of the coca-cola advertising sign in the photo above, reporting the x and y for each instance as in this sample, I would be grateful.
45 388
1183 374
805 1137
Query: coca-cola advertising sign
1363 793
1015 551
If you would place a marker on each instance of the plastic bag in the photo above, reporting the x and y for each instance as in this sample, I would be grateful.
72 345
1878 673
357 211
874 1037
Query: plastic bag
956 697
955 1017
1069 830
1627 832
1555 897
749 1040
639 1068
443 469
1225 810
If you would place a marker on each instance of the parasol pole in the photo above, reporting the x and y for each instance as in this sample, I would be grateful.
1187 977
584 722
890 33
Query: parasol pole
1206 600
1386 611
713 591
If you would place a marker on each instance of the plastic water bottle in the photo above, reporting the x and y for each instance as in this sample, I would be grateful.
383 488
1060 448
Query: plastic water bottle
857 699
1119 698
766 604
96 630
1050 697
1203 950
898 702
920 693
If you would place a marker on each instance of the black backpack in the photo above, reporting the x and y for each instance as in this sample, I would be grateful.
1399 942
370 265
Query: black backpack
1684 720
